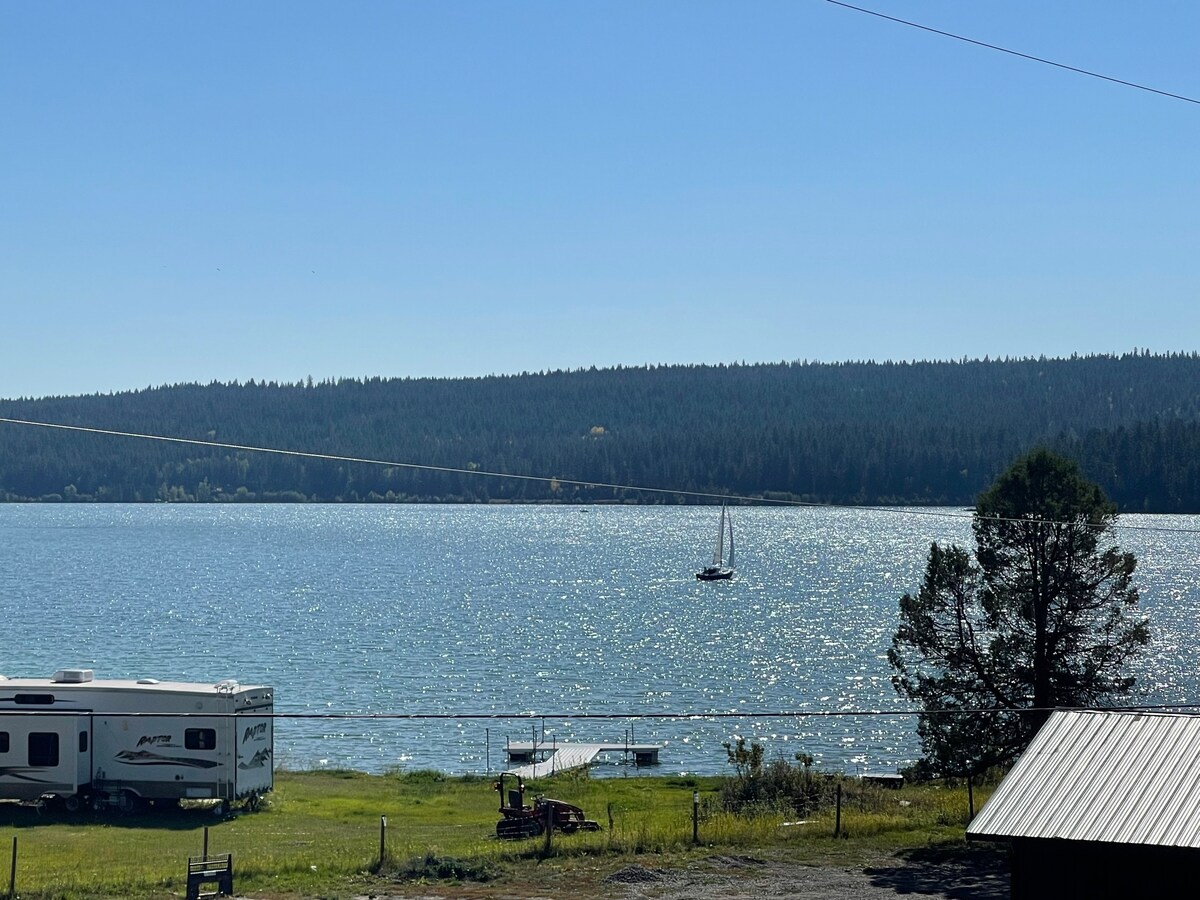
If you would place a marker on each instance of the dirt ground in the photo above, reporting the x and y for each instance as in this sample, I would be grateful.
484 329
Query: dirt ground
750 878
955 875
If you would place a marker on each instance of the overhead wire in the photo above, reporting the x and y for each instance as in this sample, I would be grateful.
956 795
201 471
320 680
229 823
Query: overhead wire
674 492
657 716
547 479
751 714
692 715
1028 56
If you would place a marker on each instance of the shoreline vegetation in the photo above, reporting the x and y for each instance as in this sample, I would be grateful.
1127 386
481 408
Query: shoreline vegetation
860 433
322 833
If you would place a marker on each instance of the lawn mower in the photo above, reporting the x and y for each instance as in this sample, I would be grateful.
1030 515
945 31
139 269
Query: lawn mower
521 820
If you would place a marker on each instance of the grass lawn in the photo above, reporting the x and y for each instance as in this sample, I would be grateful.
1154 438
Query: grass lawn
319 834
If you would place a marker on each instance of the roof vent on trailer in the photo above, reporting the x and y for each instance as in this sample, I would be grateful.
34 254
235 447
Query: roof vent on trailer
72 676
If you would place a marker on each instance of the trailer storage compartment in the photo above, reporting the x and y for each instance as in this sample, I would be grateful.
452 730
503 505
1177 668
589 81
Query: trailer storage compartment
255 771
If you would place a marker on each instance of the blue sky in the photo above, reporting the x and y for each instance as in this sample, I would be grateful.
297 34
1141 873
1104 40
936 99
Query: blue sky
272 190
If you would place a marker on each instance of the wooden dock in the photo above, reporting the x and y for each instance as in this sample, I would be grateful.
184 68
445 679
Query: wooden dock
543 758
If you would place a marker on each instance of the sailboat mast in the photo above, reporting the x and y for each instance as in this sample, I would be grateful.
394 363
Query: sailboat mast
719 552
731 540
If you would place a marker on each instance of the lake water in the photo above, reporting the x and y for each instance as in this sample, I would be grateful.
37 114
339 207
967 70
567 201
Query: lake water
503 610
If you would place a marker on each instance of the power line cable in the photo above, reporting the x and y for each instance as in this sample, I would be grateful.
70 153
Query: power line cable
686 715
1037 59
547 479
662 716
330 457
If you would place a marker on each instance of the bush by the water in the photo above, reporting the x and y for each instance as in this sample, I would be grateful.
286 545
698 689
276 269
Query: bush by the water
766 786
772 786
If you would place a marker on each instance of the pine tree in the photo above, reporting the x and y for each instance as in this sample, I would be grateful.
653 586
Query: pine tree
1044 616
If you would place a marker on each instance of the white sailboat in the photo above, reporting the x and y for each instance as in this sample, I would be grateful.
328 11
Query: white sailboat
722 567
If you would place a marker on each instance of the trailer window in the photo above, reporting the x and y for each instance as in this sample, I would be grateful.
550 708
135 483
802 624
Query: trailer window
43 748
3 741
200 738
34 699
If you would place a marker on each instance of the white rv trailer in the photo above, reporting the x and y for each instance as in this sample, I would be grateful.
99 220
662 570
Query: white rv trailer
77 739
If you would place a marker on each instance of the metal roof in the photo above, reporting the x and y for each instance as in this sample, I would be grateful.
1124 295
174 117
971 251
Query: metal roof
1119 777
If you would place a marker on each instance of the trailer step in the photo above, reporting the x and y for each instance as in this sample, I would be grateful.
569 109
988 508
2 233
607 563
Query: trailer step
206 870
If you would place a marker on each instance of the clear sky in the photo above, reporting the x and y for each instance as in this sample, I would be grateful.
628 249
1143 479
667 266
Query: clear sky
198 191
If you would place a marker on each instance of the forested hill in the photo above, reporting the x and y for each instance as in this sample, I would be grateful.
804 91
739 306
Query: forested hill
922 432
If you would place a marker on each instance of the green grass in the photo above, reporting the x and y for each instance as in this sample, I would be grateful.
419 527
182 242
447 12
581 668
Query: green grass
318 834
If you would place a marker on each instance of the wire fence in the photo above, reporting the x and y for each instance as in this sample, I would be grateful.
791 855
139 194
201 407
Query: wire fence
337 822
334 825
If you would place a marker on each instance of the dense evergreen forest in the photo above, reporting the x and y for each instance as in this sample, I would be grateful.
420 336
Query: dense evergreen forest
860 432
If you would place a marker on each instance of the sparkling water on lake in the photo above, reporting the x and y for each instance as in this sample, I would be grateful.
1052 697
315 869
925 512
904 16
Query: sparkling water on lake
495 610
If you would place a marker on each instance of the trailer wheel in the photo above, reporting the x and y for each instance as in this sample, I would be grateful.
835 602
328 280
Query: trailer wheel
127 801
73 803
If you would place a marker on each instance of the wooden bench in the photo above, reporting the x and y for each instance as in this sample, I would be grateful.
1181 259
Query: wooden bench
204 870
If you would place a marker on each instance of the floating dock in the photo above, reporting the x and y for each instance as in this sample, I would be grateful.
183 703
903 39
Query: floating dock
542 758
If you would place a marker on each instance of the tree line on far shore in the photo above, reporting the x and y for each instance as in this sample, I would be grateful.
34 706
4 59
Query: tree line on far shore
846 433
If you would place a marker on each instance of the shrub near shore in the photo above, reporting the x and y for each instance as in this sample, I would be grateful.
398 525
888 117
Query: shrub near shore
321 832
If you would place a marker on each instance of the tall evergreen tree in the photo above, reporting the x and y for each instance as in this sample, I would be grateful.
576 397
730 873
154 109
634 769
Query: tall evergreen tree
1043 617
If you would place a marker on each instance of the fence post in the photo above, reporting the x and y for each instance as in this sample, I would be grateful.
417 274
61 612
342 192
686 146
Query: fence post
837 827
970 800
382 840
695 817
204 854
549 828
12 876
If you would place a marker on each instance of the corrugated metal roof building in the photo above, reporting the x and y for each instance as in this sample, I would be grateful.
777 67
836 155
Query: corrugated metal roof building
1102 804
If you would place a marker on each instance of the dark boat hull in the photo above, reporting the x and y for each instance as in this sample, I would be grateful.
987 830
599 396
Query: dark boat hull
714 574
